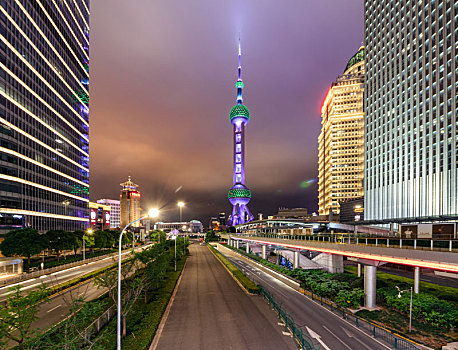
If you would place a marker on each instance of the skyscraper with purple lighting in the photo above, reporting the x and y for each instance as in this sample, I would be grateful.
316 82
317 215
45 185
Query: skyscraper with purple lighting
239 195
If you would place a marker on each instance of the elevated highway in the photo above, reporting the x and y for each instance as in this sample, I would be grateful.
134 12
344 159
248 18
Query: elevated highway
367 255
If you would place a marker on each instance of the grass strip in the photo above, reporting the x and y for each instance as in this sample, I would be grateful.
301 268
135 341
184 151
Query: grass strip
248 284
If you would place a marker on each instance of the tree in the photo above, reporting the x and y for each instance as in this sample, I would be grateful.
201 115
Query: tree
59 240
19 312
77 240
132 285
210 236
24 242
103 239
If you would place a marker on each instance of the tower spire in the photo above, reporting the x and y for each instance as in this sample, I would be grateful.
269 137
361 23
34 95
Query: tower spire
239 83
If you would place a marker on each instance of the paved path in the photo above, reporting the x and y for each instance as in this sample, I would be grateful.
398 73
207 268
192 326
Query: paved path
210 311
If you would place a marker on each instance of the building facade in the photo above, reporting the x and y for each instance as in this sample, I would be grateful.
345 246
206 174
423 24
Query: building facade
99 216
130 203
193 226
341 141
115 213
411 105
44 115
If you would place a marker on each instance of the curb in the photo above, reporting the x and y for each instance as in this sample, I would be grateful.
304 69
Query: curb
230 274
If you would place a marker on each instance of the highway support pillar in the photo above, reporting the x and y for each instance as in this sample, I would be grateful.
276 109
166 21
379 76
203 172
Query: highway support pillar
416 280
370 285
391 229
296 259
264 252
248 248
359 270
237 242
229 243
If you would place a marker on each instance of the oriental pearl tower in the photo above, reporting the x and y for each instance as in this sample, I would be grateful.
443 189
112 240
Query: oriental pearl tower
239 195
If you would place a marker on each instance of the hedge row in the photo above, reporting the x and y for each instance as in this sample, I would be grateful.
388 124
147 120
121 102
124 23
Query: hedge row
144 319
346 290
248 284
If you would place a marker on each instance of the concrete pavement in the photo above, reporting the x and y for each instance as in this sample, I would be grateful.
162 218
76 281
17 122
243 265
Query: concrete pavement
210 311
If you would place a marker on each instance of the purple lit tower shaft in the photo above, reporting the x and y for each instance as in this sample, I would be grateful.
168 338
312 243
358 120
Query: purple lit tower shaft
239 195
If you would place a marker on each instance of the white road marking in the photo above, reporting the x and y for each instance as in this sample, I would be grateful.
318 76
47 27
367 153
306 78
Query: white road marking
316 336
351 335
343 343
54 308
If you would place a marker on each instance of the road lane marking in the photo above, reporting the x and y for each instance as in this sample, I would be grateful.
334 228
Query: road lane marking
351 335
343 343
343 320
316 336
53 308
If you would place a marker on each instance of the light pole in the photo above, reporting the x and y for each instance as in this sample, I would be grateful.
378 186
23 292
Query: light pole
175 239
399 296
152 214
184 235
89 231
180 205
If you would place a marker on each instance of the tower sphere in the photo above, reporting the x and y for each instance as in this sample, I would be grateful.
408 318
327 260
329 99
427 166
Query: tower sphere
239 111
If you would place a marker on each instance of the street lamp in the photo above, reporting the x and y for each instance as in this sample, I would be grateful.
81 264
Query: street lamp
174 237
399 296
180 205
89 232
151 214
184 236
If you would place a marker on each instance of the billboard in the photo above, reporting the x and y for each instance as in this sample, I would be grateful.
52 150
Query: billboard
429 231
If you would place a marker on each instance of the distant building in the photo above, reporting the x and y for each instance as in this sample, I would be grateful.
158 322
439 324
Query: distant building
292 213
341 141
99 216
115 205
214 224
352 210
222 220
130 203
192 226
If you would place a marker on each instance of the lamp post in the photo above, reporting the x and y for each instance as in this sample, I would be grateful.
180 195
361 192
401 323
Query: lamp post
410 314
152 214
89 231
175 239
180 205
184 236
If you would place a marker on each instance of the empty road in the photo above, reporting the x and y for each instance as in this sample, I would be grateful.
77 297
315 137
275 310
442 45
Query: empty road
333 332
210 311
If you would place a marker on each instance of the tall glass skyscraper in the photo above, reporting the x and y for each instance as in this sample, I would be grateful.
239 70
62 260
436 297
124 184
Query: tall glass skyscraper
411 109
44 114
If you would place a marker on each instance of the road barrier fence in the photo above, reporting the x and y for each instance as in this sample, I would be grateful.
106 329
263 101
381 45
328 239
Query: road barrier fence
304 341
391 339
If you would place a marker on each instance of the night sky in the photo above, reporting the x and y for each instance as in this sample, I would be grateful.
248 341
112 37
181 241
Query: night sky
163 82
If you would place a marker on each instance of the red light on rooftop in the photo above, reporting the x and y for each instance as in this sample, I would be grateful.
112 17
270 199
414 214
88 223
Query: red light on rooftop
326 100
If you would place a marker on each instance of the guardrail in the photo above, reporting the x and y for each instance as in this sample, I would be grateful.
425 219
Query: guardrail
35 274
304 341
392 339
400 243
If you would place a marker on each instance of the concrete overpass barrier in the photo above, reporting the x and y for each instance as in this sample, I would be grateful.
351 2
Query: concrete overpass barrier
285 279
436 260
